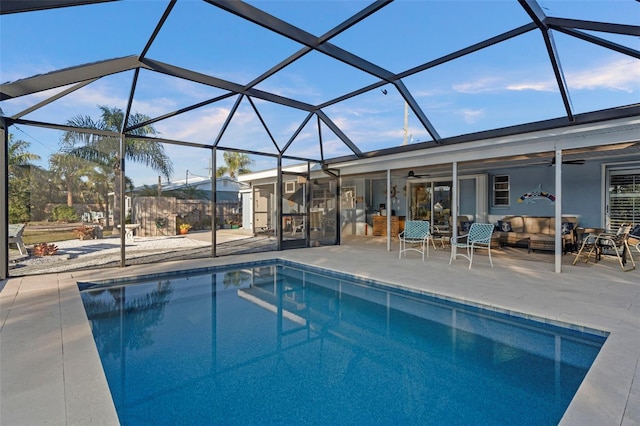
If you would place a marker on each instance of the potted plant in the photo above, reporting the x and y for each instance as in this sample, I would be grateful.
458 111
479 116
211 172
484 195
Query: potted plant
84 232
44 249
184 228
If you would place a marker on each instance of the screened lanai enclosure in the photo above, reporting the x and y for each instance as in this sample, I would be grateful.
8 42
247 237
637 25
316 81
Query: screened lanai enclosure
115 112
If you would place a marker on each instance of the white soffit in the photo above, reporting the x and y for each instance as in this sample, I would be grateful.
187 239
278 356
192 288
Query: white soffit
590 135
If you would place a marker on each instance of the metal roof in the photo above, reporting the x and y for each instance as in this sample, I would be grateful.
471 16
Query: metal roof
319 123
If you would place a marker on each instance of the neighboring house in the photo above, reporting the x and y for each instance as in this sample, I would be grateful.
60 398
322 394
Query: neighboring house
227 189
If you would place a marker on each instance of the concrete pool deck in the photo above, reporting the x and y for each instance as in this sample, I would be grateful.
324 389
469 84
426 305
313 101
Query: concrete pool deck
50 371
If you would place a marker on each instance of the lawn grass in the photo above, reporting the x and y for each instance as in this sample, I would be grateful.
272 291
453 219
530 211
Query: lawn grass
47 232
47 236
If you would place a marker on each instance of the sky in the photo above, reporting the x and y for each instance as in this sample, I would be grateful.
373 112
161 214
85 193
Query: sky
508 84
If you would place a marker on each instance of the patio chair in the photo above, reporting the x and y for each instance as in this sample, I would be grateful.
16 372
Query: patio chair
15 237
416 237
587 247
617 245
608 244
634 239
297 226
479 237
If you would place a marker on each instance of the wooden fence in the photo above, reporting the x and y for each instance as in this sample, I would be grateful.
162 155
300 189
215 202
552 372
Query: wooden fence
160 216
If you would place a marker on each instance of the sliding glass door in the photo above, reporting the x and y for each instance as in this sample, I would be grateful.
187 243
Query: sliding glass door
431 201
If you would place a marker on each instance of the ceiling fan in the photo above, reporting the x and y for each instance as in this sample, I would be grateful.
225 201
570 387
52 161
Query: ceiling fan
578 162
412 175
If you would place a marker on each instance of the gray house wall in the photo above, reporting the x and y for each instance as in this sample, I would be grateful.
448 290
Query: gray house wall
581 192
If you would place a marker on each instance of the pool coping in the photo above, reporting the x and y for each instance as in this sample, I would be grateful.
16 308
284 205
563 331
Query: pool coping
72 388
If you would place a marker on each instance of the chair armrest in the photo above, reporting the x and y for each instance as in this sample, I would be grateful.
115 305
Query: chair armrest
459 237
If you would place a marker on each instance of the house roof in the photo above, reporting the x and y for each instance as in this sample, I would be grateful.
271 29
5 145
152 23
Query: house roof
223 184
383 55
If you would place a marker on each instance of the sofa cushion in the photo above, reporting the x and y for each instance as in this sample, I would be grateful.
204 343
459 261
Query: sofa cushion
504 226
520 239
569 219
537 225
567 228
531 225
517 223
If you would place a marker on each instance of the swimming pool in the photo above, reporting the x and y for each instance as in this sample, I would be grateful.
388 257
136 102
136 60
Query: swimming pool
279 342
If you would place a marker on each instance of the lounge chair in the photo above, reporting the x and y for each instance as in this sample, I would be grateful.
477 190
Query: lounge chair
15 237
416 236
618 246
634 239
297 226
479 237
608 244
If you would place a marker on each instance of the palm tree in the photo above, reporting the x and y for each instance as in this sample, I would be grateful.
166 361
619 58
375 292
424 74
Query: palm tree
103 151
236 164
71 169
19 169
19 157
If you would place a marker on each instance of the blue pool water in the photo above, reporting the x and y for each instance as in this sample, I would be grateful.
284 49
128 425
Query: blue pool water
279 343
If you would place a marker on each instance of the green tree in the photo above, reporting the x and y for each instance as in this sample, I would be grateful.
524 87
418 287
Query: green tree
103 150
98 185
70 169
19 169
45 193
235 164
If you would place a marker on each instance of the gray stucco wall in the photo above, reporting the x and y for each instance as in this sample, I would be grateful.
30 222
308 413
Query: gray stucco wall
581 192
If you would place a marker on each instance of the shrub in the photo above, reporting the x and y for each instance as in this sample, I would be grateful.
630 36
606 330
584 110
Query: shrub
64 213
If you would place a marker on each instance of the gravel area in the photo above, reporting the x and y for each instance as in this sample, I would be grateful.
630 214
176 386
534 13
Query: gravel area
81 254
74 255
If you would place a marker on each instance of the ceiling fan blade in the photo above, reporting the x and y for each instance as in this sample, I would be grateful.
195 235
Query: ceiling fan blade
412 175
574 162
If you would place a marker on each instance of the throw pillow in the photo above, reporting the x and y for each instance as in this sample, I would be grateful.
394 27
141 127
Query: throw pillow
504 226
635 231
465 225
567 228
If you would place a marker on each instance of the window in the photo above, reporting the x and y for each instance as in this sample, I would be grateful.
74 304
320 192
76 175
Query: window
624 198
501 191
289 187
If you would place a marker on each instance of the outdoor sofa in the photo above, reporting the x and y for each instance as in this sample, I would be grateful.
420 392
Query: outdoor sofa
535 232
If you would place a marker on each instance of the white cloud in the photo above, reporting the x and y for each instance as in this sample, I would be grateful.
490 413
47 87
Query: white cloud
201 127
471 115
293 86
499 84
481 85
91 96
623 75
537 86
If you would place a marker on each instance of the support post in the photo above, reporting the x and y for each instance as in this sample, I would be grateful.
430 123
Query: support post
121 199
4 196
558 212
214 200
279 185
454 206
388 201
